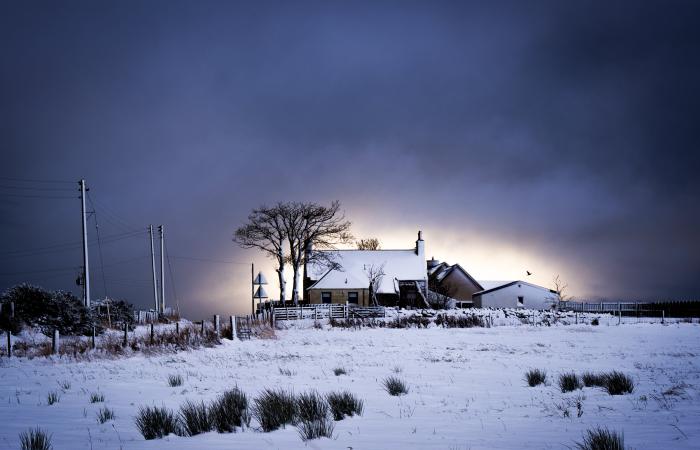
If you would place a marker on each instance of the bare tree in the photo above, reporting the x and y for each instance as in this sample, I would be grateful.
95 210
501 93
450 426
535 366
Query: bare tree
265 231
560 287
311 225
368 244
375 275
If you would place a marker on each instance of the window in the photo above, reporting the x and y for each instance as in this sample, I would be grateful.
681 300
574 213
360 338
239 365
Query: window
521 300
325 297
352 298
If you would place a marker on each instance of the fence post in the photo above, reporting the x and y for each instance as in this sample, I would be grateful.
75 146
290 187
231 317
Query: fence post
233 327
177 328
202 330
663 315
217 328
619 317
12 310
94 332
152 334
126 335
9 344
55 342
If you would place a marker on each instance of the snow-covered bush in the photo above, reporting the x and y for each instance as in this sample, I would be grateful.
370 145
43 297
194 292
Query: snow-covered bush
175 380
395 386
535 377
47 310
344 404
154 422
35 439
313 416
591 379
230 411
569 382
602 439
195 418
274 409
105 414
618 383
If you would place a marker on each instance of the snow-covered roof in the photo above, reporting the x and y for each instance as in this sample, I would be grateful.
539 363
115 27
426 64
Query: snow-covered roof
490 284
501 285
403 265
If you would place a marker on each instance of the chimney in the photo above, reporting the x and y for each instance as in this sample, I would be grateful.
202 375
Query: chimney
432 263
420 245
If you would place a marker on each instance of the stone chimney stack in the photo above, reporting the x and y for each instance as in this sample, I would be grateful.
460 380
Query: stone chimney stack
420 245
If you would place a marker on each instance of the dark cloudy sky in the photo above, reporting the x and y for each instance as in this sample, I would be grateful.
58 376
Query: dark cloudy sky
558 137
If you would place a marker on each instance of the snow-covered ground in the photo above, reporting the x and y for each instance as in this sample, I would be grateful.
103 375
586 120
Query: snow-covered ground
466 388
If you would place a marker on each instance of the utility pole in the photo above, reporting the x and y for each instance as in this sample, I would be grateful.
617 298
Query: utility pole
162 270
252 288
153 266
86 265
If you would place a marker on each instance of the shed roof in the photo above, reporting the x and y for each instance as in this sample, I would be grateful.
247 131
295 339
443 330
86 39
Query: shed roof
507 284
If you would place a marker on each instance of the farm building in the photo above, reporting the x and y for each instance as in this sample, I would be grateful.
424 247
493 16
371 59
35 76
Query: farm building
514 294
347 279
452 281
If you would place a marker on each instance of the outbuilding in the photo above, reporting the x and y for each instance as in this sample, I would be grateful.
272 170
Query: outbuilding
515 294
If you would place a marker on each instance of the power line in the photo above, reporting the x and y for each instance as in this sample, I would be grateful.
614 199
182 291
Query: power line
38 196
33 188
172 280
99 246
215 261
66 247
27 180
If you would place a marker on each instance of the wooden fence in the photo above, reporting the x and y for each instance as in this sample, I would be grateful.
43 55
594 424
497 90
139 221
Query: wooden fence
327 311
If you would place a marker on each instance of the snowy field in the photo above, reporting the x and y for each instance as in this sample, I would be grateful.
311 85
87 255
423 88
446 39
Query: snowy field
467 389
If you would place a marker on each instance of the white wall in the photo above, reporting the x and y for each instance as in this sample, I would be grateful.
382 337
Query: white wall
534 297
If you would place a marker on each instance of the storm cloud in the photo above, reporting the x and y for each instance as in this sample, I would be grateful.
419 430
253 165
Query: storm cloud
549 136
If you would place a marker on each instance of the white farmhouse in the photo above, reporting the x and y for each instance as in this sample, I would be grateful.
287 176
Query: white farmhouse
514 294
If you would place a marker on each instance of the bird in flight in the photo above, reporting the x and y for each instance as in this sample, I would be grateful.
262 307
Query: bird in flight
528 273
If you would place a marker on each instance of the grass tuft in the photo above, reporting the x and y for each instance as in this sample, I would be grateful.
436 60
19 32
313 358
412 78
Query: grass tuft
195 418
593 379
174 380
97 397
569 382
395 386
65 385
274 409
601 439
105 414
230 411
618 383
35 439
316 429
53 397
535 377
154 422
344 404
339 371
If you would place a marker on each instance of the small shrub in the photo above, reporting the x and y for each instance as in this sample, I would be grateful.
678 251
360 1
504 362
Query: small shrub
157 422
315 429
344 404
618 383
569 382
174 380
274 409
535 377
105 414
339 371
595 322
195 418
395 386
97 397
311 406
593 379
229 411
602 439
35 439
53 397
